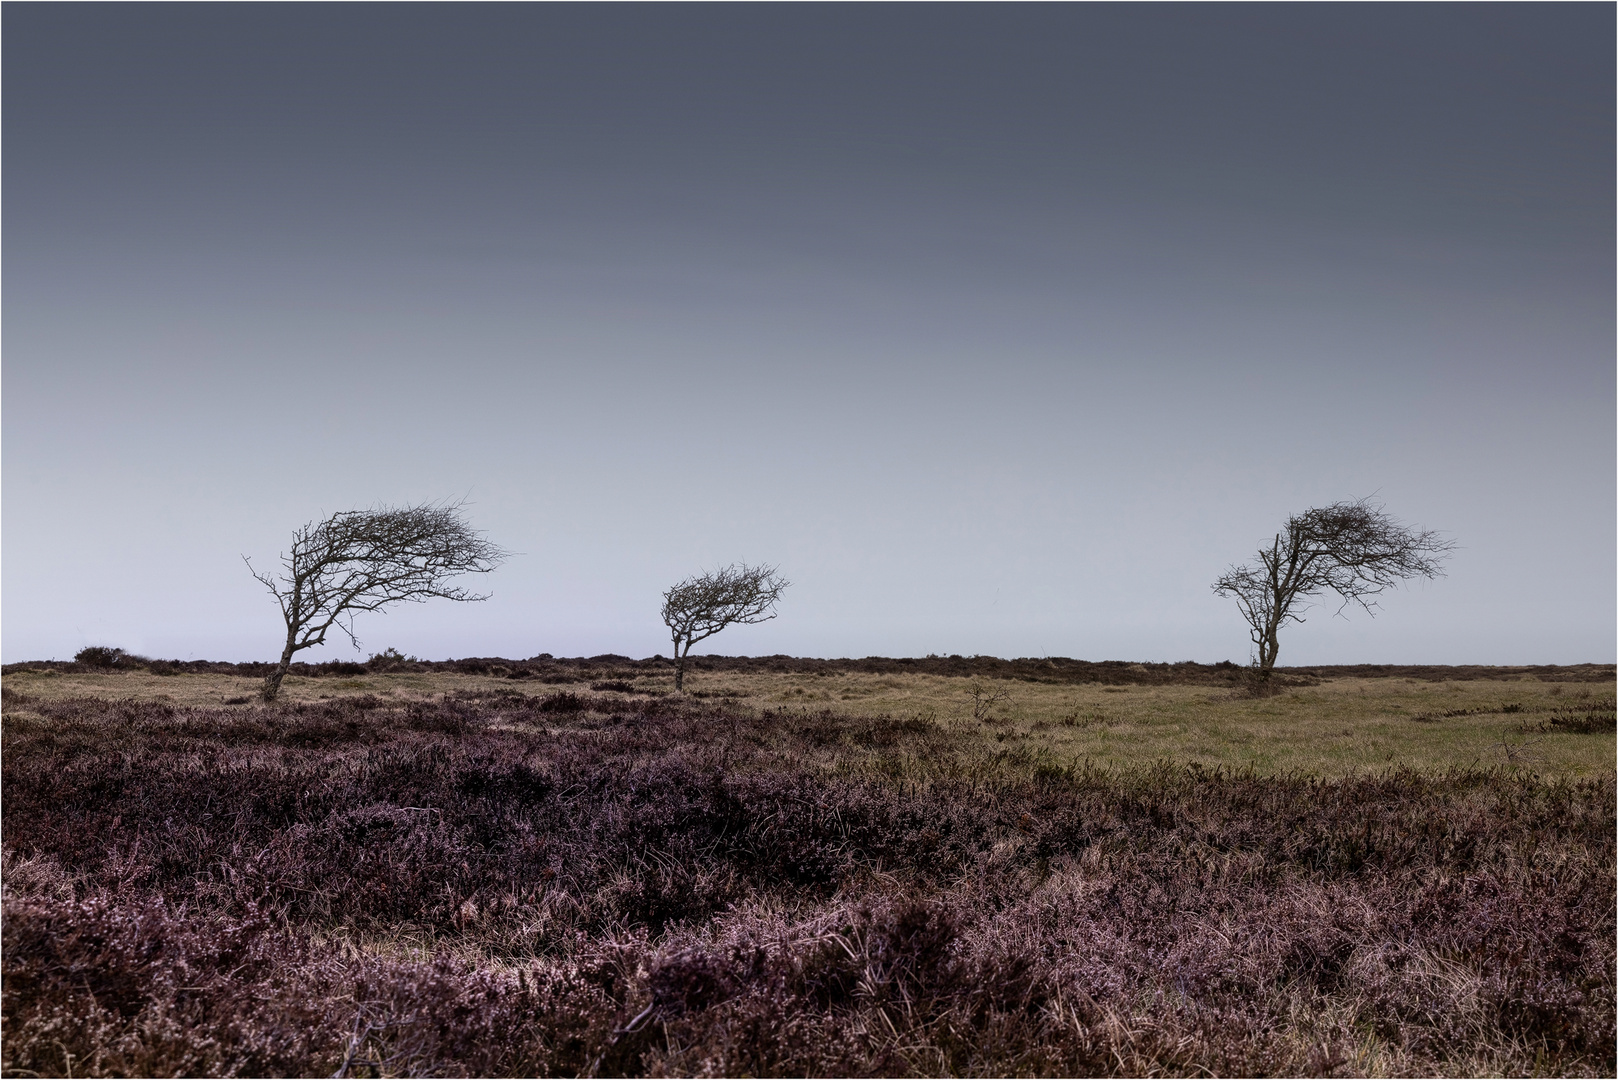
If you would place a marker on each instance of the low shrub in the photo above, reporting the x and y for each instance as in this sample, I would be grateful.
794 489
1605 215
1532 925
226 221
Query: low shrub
106 656
492 885
340 667
388 660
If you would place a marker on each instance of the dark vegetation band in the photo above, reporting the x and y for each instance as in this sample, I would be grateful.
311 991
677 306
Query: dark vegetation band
1051 669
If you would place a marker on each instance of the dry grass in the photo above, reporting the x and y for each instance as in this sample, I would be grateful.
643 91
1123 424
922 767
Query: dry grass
1337 727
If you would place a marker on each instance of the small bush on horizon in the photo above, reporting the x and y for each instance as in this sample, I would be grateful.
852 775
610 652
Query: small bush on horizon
106 656
389 659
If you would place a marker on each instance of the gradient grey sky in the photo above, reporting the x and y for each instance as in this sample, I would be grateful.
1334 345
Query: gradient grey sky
1001 329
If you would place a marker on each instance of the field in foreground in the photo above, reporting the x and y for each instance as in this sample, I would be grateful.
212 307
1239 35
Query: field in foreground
1331 721
520 879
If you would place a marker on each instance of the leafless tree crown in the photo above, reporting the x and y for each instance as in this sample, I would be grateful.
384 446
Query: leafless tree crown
362 560
1353 549
699 607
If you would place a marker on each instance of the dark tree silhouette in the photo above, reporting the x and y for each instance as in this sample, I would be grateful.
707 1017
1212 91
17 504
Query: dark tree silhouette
1353 549
362 560
699 607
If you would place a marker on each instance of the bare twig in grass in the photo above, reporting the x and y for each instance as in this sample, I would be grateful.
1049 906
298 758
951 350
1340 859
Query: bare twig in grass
1518 753
985 698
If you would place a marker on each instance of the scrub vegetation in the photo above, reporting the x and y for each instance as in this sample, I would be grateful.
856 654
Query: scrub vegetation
556 867
1326 720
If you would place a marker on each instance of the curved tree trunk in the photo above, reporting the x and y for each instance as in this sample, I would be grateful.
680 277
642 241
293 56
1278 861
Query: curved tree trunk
272 681
1267 651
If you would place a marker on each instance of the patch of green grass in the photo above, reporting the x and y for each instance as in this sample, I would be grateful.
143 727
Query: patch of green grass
1334 729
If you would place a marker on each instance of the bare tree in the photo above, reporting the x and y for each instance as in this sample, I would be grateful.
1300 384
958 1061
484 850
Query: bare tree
362 560
1353 549
699 607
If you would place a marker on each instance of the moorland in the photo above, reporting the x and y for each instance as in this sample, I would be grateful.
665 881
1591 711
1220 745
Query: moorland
807 867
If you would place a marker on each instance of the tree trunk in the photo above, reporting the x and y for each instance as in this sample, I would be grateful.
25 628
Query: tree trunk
1268 647
272 681
679 669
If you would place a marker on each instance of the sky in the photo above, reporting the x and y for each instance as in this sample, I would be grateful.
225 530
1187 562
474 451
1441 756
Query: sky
1002 330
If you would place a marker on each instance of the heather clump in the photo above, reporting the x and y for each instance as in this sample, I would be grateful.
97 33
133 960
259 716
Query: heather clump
570 883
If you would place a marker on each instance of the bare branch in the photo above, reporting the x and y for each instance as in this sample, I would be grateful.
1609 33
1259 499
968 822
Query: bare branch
1354 549
699 607
364 560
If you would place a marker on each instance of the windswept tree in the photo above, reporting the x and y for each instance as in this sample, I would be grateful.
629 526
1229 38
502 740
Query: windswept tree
1353 549
363 560
699 607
